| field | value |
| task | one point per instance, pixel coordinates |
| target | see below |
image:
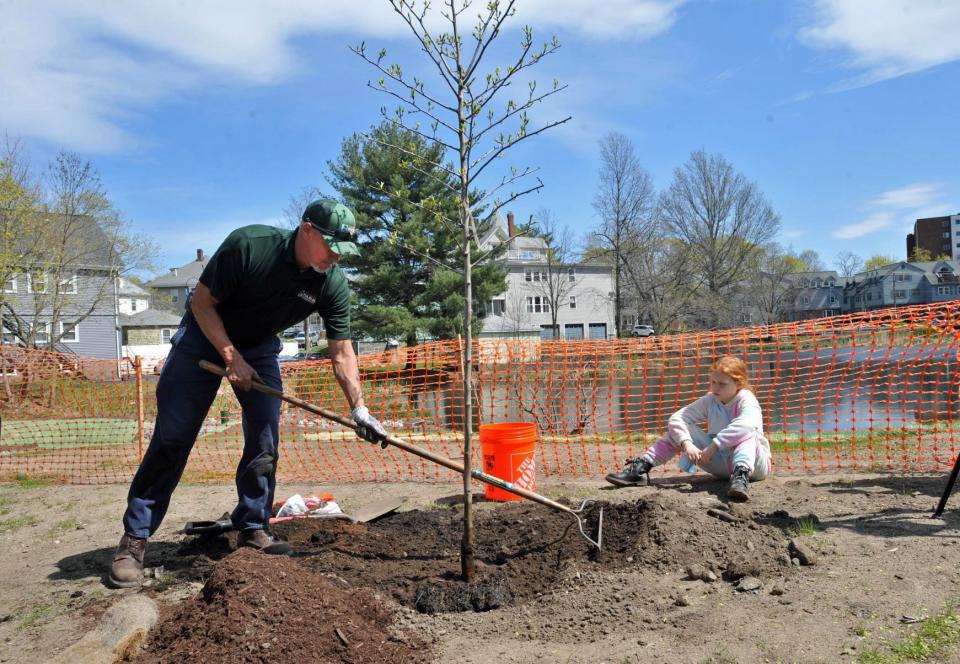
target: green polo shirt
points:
(261, 291)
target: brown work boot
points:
(264, 541)
(127, 568)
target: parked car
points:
(643, 330)
(314, 337)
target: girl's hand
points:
(692, 451)
(707, 454)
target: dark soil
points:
(259, 608)
(342, 576)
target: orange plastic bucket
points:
(508, 453)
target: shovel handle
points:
(399, 443)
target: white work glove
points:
(368, 427)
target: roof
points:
(127, 288)
(150, 318)
(183, 276)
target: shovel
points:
(429, 456)
(365, 514)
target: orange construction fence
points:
(869, 391)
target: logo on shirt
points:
(304, 295)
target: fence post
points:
(138, 365)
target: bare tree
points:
(293, 212)
(723, 218)
(812, 261)
(469, 115)
(770, 288)
(625, 201)
(657, 275)
(555, 281)
(848, 263)
(82, 247)
(20, 198)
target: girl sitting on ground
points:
(734, 445)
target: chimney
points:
(511, 228)
(199, 255)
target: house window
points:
(805, 300)
(68, 334)
(831, 283)
(175, 298)
(37, 282)
(8, 336)
(42, 333)
(900, 294)
(497, 307)
(819, 283)
(833, 299)
(746, 317)
(570, 276)
(165, 334)
(869, 296)
(944, 290)
(829, 312)
(946, 234)
(534, 275)
(133, 305)
(526, 256)
(68, 286)
(537, 305)
(573, 301)
(10, 285)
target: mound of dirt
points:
(324, 603)
(259, 608)
(523, 549)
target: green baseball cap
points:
(336, 223)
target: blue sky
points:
(209, 115)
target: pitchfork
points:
(430, 456)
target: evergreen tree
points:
(408, 272)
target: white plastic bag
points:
(293, 506)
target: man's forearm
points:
(346, 371)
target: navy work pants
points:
(184, 395)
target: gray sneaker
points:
(739, 484)
(127, 568)
(263, 541)
(635, 473)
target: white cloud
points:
(792, 234)
(886, 38)
(873, 223)
(913, 201)
(73, 71)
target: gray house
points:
(179, 281)
(818, 294)
(69, 303)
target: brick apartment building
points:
(938, 235)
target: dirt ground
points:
(387, 591)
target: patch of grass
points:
(27, 482)
(804, 526)
(12, 525)
(935, 637)
(40, 614)
(4, 505)
(65, 525)
(860, 630)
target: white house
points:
(131, 298)
(585, 308)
